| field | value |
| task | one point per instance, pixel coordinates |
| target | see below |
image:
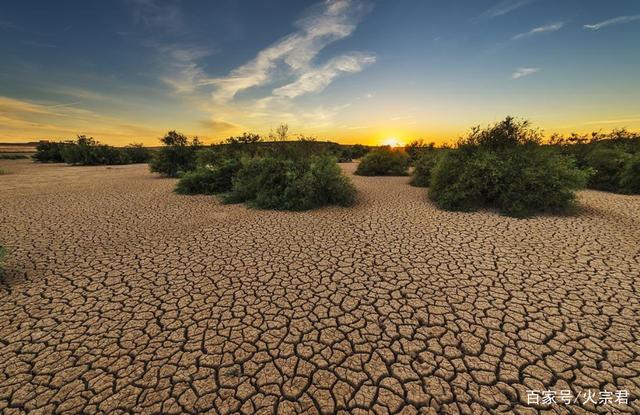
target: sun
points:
(392, 142)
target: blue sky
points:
(346, 70)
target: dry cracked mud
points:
(120, 296)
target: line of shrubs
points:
(506, 166)
(280, 175)
(613, 158)
(86, 151)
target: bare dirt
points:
(120, 296)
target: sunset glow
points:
(392, 142)
(340, 70)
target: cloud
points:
(317, 79)
(7, 25)
(158, 14)
(611, 22)
(504, 7)
(28, 120)
(553, 27)
(522, 72)
(616, 121)
(326, 23)
(185, 72)
(217, 125)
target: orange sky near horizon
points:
(25, 121)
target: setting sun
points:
(392, 142)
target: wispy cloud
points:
(611, 22)
(217, 126)
(316, 79)
(553, 27)
(615, 121)
(7, 25)
(326, 23)
(22, 119)
(504, 7)
(522, 72)
(185, 74)
(155, 14)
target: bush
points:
(86, 151)
(177, 156)
(421, 176)
(137, 153)
(608, 165)
(49, 152)
(416, 149)
(3, 171)
(209, 179)
(3, 252)
(504, 167)
(291, 183)
(384, 162)
(630, 177)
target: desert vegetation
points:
(505, 167)
(177, 155)
(281, 175)
(611, 158)
(288, 183)
(86, 151)
(423, 166)
(384, 161)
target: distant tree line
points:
(86, 151)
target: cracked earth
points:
(120, 296)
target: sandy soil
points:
(122, 297)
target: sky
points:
(349, 71)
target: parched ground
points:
(122, 297)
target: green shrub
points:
(608, 165)
(423, 166)
(177, 156)
(49, 152)
(86, 151)
(353, 152)
(3, 171)
(13, 156)
(3, 252)
(416, 149)
(137, 153)
(538, 180)
(630, 177)
(209, 179)
(504, 167)
(284, 183)
(465, 180)
(384, 162)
